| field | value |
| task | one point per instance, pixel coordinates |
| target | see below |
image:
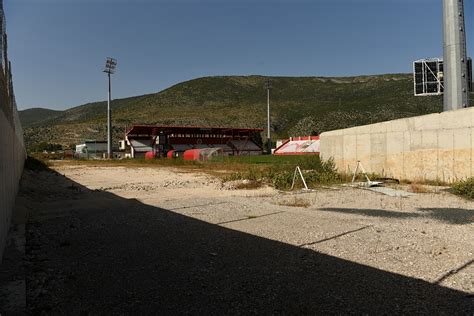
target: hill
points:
(299, 105)
(36, 116)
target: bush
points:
(464, 188)
(282, 180)
(280, 175)
(44, 146)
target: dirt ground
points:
(120, 240)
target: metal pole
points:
(455, 56)
(269, 142)
(109, 123)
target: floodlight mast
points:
(455, 56)
(268, 86)
(109, 69)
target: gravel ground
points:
(115, 240)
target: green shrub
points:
(44, 146)
(282, 180)
(464, 188)
(233, 177)
(279, 172)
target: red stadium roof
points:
(154, 130)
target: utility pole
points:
(455, 56)
(268, 86)
(110, 65)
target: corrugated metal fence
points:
(12, 150)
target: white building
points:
(91, 148)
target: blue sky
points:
(58, 47)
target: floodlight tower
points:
(268, 86)
(455, 56)
(109, 69)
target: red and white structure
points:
(305, 145)
(173, 141)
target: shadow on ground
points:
(457, 216)
(92, 252)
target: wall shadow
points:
(93, 252)
(370, 212)
(457, 216)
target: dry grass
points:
(416, 187)
(432, 183)
(275, 170)
(295, 202)
(248, 185)
(220, 169)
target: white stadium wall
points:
(437, 146)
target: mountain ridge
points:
(299, 105)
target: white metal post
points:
(455, 56)
(268, 121)
(109, 123)
(109, 68)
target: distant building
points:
(91, 148)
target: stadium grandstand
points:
(161, 140)
(305, 145)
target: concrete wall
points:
(12, 150)
(437, 146)
(12, 157)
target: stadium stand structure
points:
(161, 140)
(306, 145)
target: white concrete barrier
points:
(437, 146)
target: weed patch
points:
(295, 202)
(464, 188)
(279, 171)
(418, 188)
(248, 185)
